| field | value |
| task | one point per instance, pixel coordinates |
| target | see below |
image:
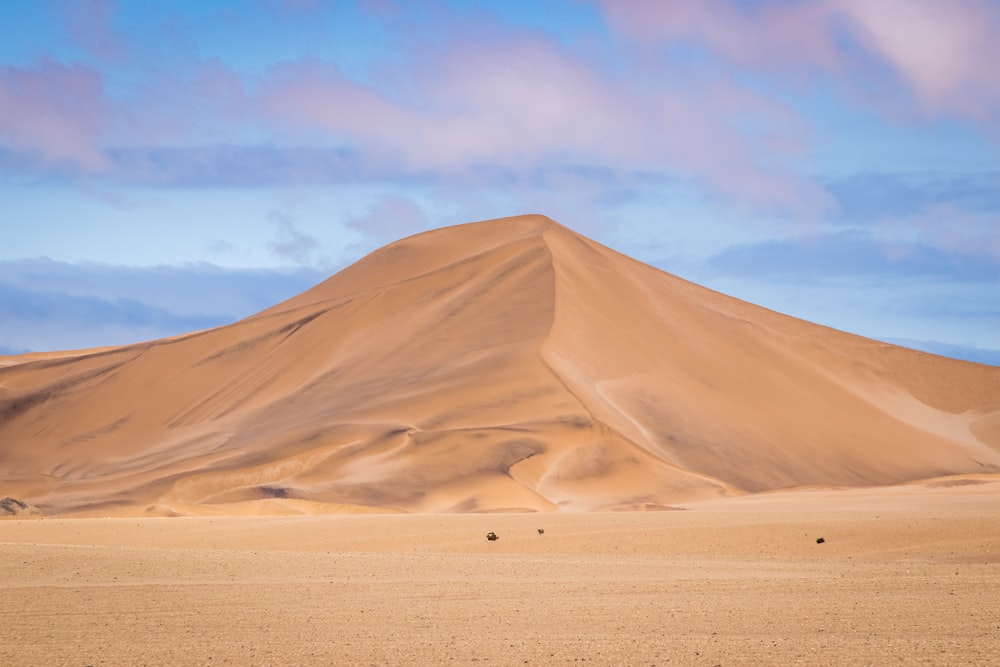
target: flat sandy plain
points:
(906, 575)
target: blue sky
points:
(166, 166)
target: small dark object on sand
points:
(14, 507)
(820, 540)
(541, 531)
(492, 537)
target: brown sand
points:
(514, 367)
(506, 365)
(906, 576)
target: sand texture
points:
(510, 365)
(906, 576)
(314, 485)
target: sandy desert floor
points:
(907, 575)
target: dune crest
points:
(505, 365)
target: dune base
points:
(905, 575)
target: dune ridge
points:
(507, 365)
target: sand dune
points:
(508, 365)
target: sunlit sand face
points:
(510, 365)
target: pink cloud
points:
(310, 96)
(89, 23)
(392, 216)
(62, 115)
(469, 103)
(947, 52)
(382, 7)
(494, 95)
(516, 99)
(756, 35)
(944, 53)
(519, 99)
(205, 103)
(486, 95)
(291, 243)
(952, 229)
(55, 113)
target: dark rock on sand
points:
(14, 507)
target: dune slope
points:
(503, 365)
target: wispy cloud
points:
(241, 166)
(685, 97)
(688, 126)
(88, 22)
(508, 97)
(290, 242)
(521, 100)
(877, 195)
(54, 114)
(390, 218)
(938, 54)
(761, 35)
(851, 255)
(943, 51)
